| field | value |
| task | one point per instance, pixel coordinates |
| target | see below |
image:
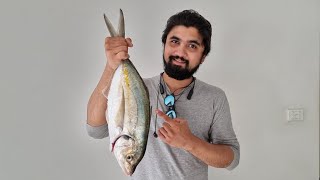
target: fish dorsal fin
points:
(121, 28)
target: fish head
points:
(127, 154)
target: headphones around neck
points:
(161, 88)
(189, 94)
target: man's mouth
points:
(178, 61)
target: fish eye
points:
(129, 157)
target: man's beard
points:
(179, 72)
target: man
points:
(191, 128)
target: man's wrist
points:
(190, 143)
(109, 67)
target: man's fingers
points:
(168, 129)
(165, 117)
(122, 55)
(129, 42)
(119, 49)
(180, 120)
(162, 137)
(111, 42)
(114, 47)
(162, 133)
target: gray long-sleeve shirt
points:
(209, 119)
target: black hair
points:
(190, 18)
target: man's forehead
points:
(185, 33)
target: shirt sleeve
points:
(98, 132)
(221, 130)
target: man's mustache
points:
(171, 58)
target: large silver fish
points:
(128, 111)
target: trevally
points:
(128, 111)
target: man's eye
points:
(192, 46)
(174, 41)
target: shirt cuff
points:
(98, 132)
(236, 158)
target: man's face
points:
(183, 52)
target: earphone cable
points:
(155, 124)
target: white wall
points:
(265, 55)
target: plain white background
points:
(265, 55)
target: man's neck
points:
(174, 84)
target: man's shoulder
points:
(211, 93)
(208, 88)
(151, 80)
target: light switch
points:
(295, 114)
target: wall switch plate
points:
(295, 114)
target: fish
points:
(128, 111)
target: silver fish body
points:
(128, 116)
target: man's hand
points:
(175, 132)
(116, 49)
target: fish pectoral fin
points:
(124, 136)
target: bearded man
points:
(191, 128)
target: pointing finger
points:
(165, 117)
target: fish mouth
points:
(129, 172)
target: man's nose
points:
(181, 51)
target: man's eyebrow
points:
(195, 42)
(174, 37)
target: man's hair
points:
(190, 18)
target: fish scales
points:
(141, 97)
